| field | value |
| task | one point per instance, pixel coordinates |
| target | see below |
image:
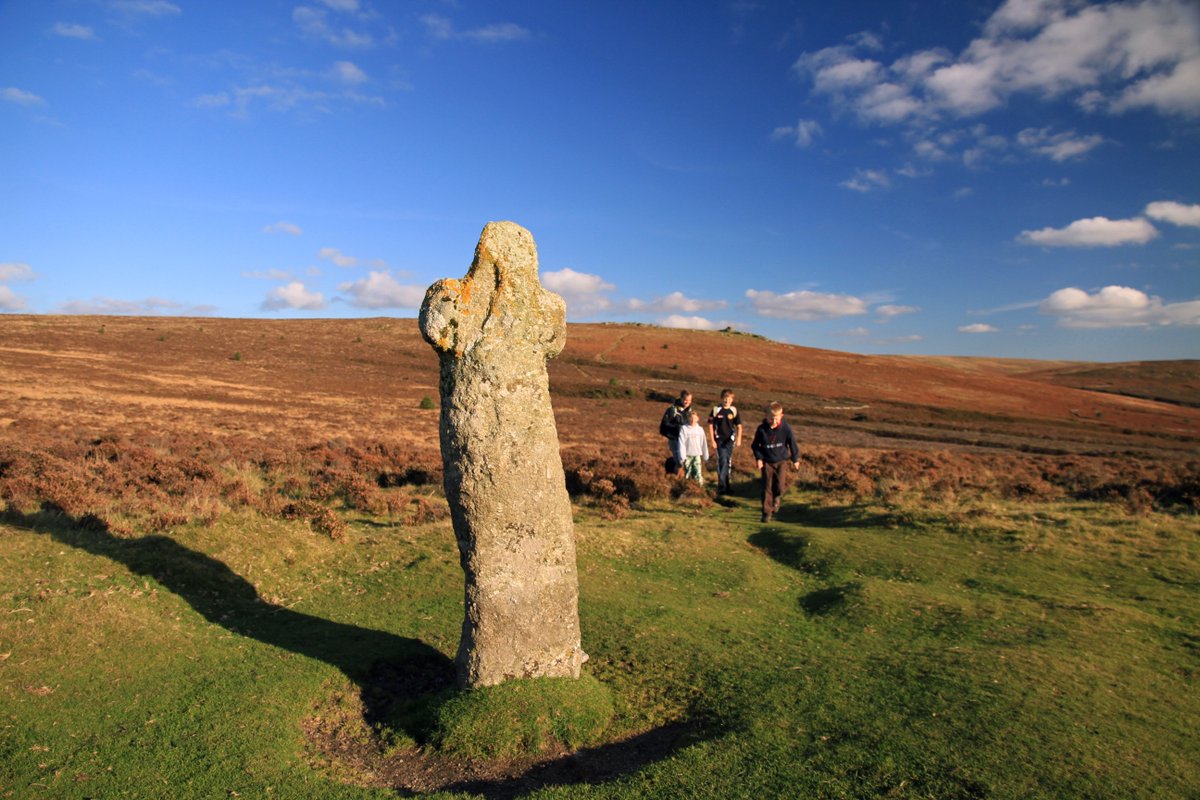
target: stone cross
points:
(493, 331)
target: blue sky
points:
(938, 177)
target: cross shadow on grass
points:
(391, 671)
(227, 599)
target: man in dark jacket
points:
(773, 446)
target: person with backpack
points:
(673, 420)
(773, 444)
(725, 431)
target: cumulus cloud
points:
(71, 31)
(21, 97)
(1105, 57)
(1093, 232)
(584, 293)
(293, 295)
(1175, 213)
(381, 290)
(690, 322)
(978, 327)
(675, 302)
(805, 305)
(337, 257)
(1060, 146)
(801, 134)
(16, 272)
(10, 300)
(1117, 307)
(284, 226)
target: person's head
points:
(727, 397)
(694, 417)
(685, 398)
(775, 413)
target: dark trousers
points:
(724, 460)
(774, 485)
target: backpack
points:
(670, 423)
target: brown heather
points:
(151, 425)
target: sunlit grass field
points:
(977, 649)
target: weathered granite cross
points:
(493, 331)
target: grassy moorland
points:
(234, 576)
(995, 649)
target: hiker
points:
(673, 421)
(694, 446)
(773, 443)
(725, 432)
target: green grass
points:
(996, 650)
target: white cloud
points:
(1093, 232)
(805, 305)
(690, 322)
(16, 272)
(150, 307)
(10, 300)
(283, 226)
(1058, 146)
(866, 180)
(437, 26)
(315, 23)
(675, 302)
(802, 133)
(71, 31)
(888, 102)
(270, 275)
(1175, 213)
(337, 257)
(149, 8)
(215, 100)
(349, 73)
(440, 27)
(1105, 57)
(888, 312)
(293, 295)
(978, 327)
(285, 97)
(381, 290)
(20, 97)
(1177, 91)
(584, 293)
(342, 5)
(1117, 307)
(499, 32)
